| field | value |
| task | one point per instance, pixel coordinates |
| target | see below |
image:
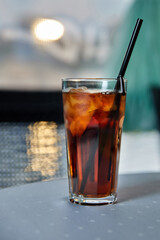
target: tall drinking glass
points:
(93, 112)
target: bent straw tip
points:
(140, 19)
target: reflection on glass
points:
(43, 148)
(47, 29)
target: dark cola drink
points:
(93, 122)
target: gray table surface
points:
(42, 211)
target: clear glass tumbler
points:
(93, 113)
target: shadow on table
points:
(138, 186)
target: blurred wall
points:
(143, 71)
(29, 63)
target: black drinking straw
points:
(119, 85)
(120, 80)
(127, 56)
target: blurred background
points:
(37, 52)
(43, 41)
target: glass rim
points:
(89, 79)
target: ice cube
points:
(79, 106)
(108, 102)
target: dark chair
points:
(32, 143)
(156, 99)
(31, 106)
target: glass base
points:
(80, 199)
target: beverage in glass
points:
(93, 113)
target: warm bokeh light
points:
(47, 29)
(43, 148)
